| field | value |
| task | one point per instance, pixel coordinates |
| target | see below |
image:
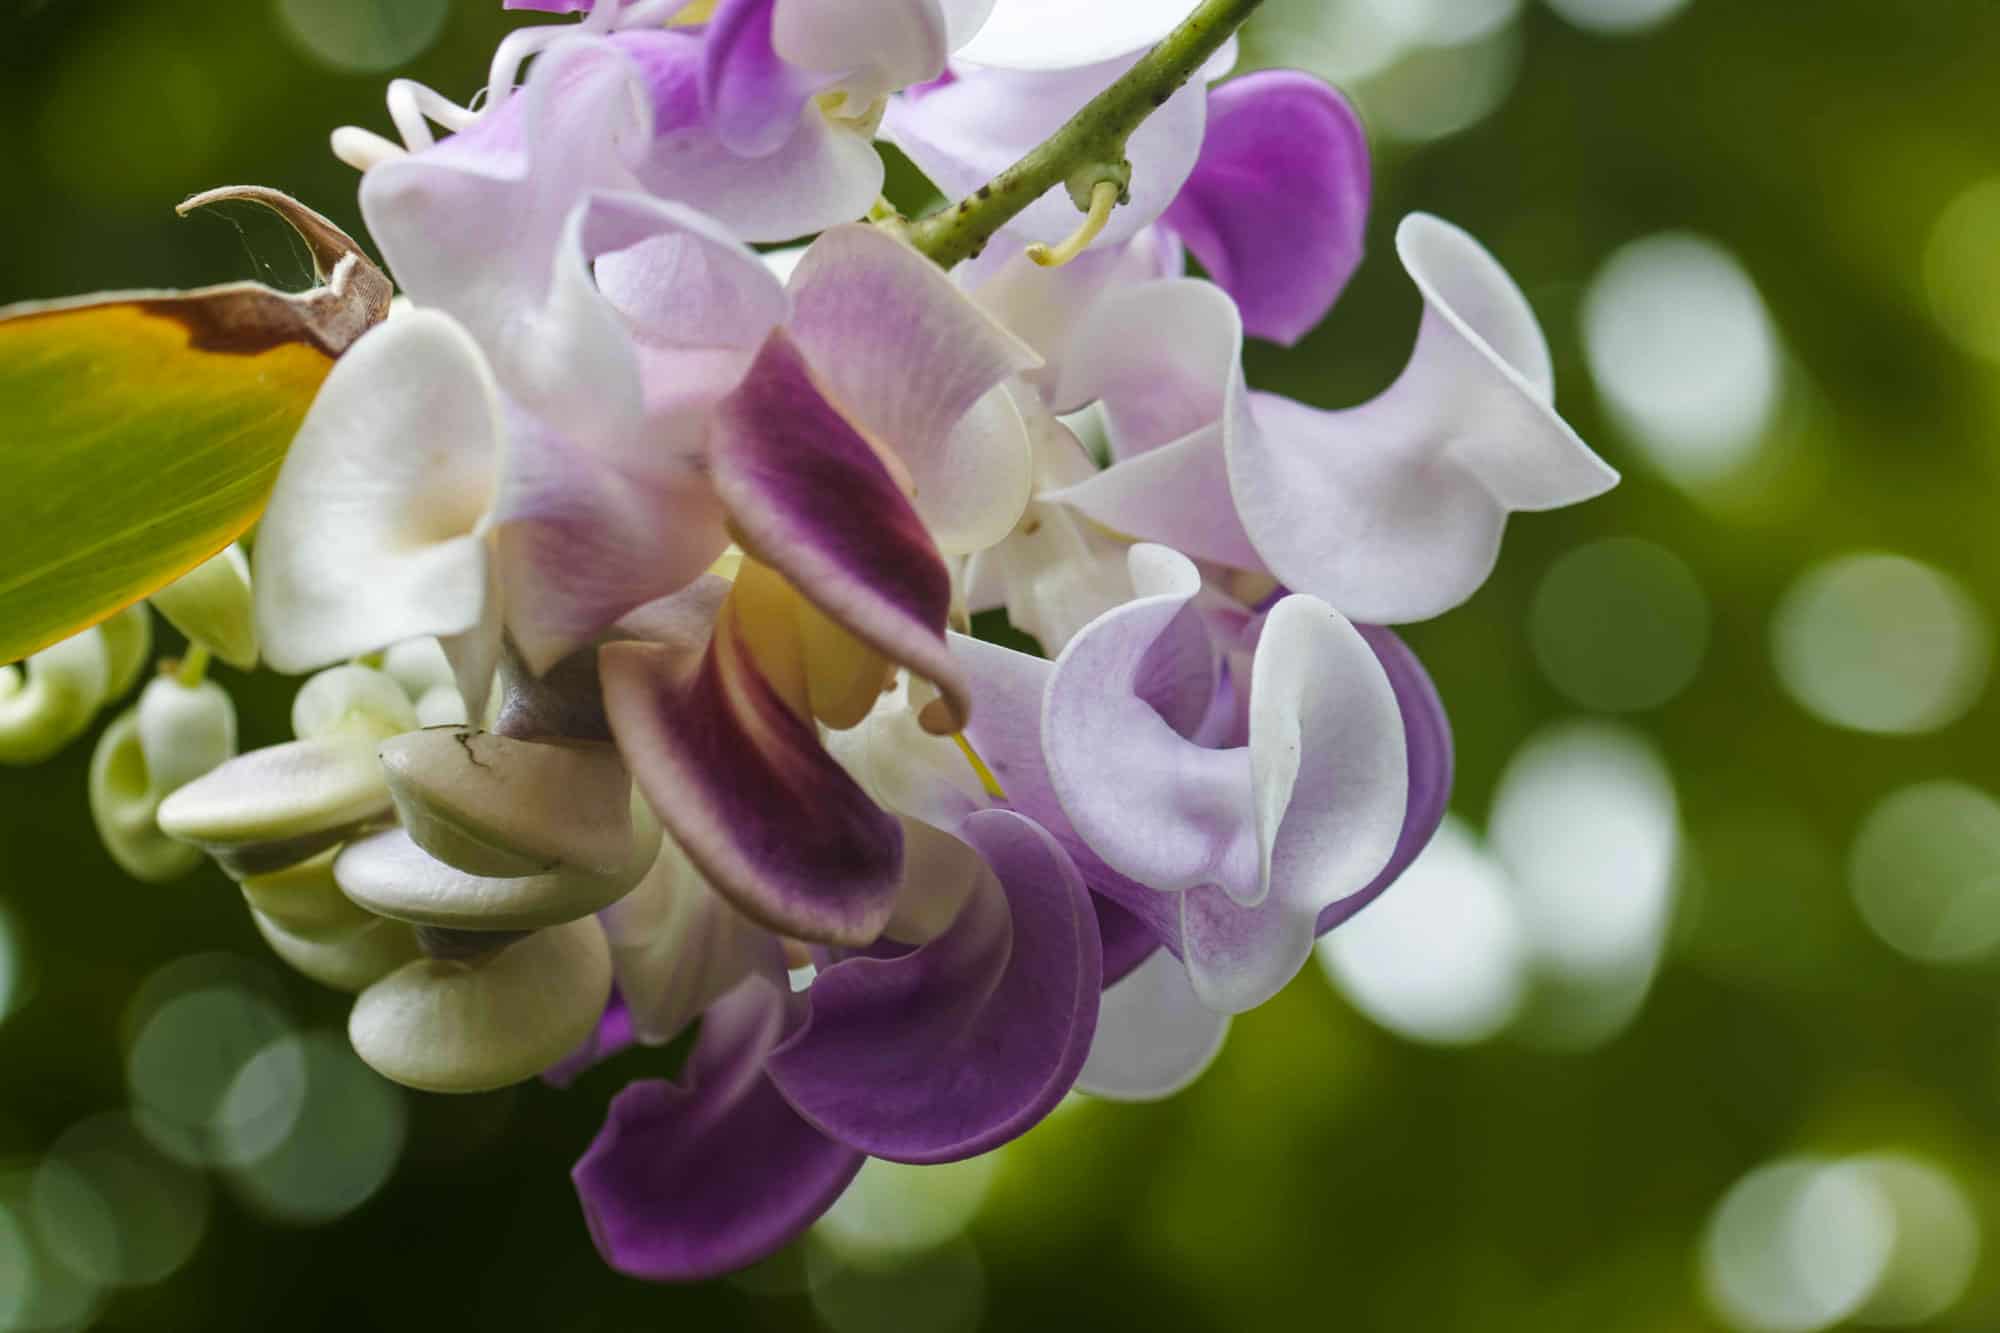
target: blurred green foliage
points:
(1324, 1173)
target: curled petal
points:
(374, 532)
(966, 1042)
(1154, 1035)
(1159, 808)
(1427, 738)
(741, 782)
(1278, 201)
(1392, 511)
(811, 497)
(712, 1173)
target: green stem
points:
(193, 667)
(1090, 147)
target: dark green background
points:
(1324, 1173)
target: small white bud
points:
(351, 700)
(211, 604)
(304, 897)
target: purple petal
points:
(585, 539)
(612, 1035)
(966, 1042)
(907, 355)
(744, 786)
(812, 498)
(472, 225)
(1427, 734)
(1278, 202)
(965, 133)
(820, 175)
(751, 96)
(1127, 940)
(698, 1178)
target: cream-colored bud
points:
(352, 700)
(211, 604)
(49, 700)
(493, 805)
(390, 875)
(482, 1023)
(128, 646)
(345, 958)
(419, 666)
(280, 805)
(304, 897)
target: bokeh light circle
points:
(1881, 643)
(363, 36)
(1619, 625)
(1684, 353)
(1796, 1245)
(1962, 270)
(1440, 957)
(893, 1208)
(1586, 823)
(179, 1068)
(344, 1142)
(1937, 1241)
(1925, 871)
(1437, 91)
(113, 1208)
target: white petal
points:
(1154, 1035)
(372, 532)
(1056, 34)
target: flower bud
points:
(278, 806)
(173, 735)
(352, 700)
(491, 805)
(211, 604)
(390, 875)
(128, 644)
(442, 706)
(419, 666)
(48, 701)
(349, 958)
(304, 897)
(483, 1023)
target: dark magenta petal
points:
(1278, 201)
(965, 1043)
(752, 97)
(697, 1178)
(1427, 734)
(612, 1035)
(810, 497)
(1127, 940)
(746, 789)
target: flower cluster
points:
(702, 531)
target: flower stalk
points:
(1089, 149)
